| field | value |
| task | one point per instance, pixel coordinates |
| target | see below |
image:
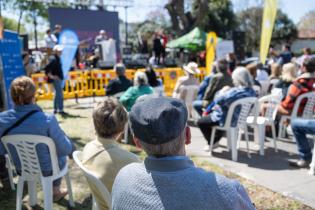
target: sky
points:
(295, 9)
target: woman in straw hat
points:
(189, 79)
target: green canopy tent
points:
(195, 40)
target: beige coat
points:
(104, 157)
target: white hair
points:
(140, 79)
(242, 77)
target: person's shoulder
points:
(132, 169)
(125, 155)
(7, 113)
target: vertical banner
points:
(210, 50)
(70, 42)
(269, 17)
(11, 63)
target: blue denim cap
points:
(158, 120)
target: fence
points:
(93, 82)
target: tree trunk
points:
(19, 22)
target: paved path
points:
(271, 171)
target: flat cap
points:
(158, 120)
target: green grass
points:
(79, 127)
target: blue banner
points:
(12, 65)
(69, 40)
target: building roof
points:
(306, 34)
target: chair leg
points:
(261, 129)
(19, 193)
(247, 142)
(234, 137)
(32, 192)
(68, 182)
(273, 129)
(48, 193)
(312, 165)
(228, 136)
(9, 167)
(280, 129)
(212, 139)
(94, 204)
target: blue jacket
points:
(39, 123)
(203, 87)
(219, 108)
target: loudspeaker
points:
(239, 44)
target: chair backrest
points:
(25, 145)
(264, 87)
(158, 91)
(93, 180)
(308, 110)
(188, 93)
(245, 105)
(273, 102)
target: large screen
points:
(86, 23)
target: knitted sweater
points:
(175, 184)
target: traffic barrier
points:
(93, 82)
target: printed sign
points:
(11, 62)
(223, 48)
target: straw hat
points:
(191, 68)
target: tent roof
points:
(194, 40)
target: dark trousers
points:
(205, 124)
(3, 170)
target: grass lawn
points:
(78, 126)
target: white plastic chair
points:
(31, 173)
(234, 133)
(260, 122)
(312, 165)
(10, 168)
(158, 91)
(93, 180)
(308, 111)
(188, 94)
(264, 87)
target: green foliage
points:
(12, 24)
(250, 21)
(219, 18)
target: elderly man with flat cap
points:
(168, 179)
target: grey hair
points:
(170, 148)
(242, 77)
(140, 79)
(120, 69)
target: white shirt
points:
(50, 40)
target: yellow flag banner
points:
(269, 17)
(210, 50)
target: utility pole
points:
(126, 24)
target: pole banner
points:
(70, 42)
(269, 17)
(210, 50)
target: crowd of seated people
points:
(167, 170)
(216, 111)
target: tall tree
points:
(250, 21)
(209, 15)
(307, 21)
(11, 24)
